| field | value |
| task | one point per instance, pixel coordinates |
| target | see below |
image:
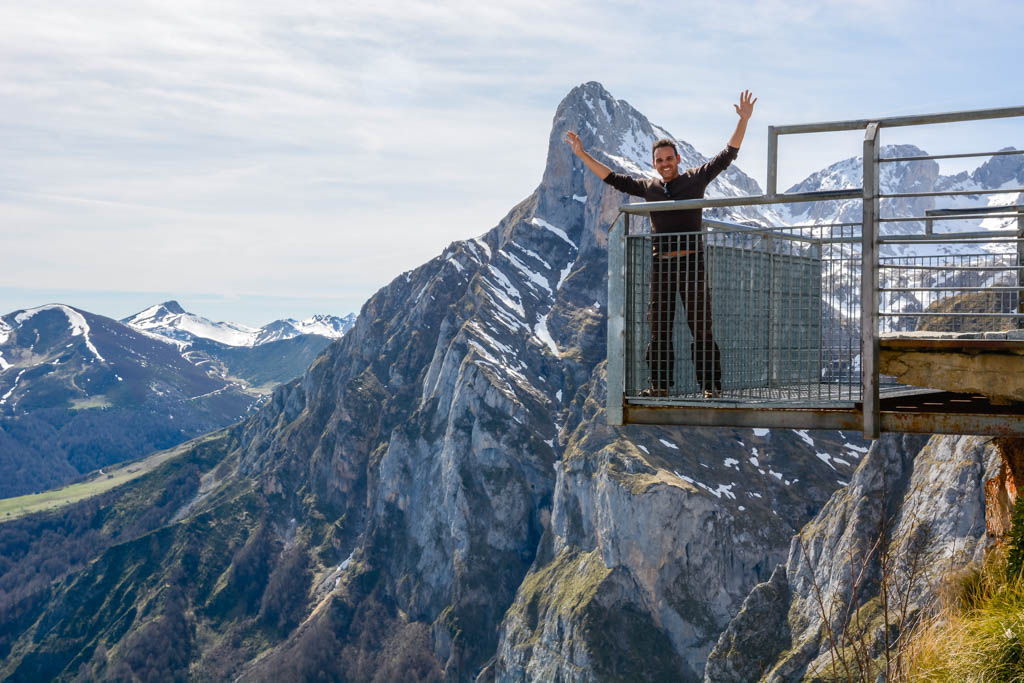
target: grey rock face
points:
(461, 422)
(1001, 170)
(897, 177)
(449, 461)
(667, 524)
(868, 565)
(756, 635)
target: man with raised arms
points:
(678, 252)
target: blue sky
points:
(260, 160)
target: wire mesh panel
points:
(841, 314)
(742, 314)
(742, 279)
(795, 335)
(963, 293)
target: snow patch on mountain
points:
(531, 275)
(541, 223)
(170, 320)
(78, 326)
(3, 399)
(506, 292)
(540, 330)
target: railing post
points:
(773, 162)
(869, 286)
(772, 350)
(616, 372)
(1020, 266)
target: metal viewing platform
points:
(759, 325)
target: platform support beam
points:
(869, 286)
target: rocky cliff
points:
(439, 495)
(860, 574)
(654, 535)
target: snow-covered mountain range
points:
(999, 172)
(994, 173)
(170, 320)
(79, 390)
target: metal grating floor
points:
(797, 396)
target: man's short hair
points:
(664, 142)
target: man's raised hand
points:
(595, 166)
(574, 141)
(746, 106)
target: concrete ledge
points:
(1012, 335)
(989, 367)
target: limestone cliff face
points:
(861, 572)
(439, 495)
(458, 428)
(650, 548)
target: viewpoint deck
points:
(930, 350)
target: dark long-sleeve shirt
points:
(690, 184)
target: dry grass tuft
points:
(978, 633)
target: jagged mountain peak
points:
(619, 135)
(1001, 171)
(894, 177)
(847, 174)
(614, 130)
(904, 177)
(161, 310)
(173, 307)
(321, 324)
(170, 320)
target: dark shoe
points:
(651, 392)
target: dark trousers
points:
(678, 267)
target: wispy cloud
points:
(264, 148)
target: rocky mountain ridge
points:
(439, 496)
(170, 320)
(79, 391)
(906, 177)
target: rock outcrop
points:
(867, 566)
(649, 549)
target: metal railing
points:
(790, 315)
(740, 313)
(968, 282)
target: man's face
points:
(666, 163)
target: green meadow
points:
(96, 483)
